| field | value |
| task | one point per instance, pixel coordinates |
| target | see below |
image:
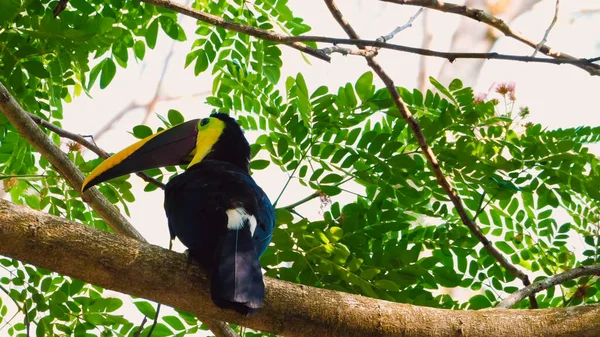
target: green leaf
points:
(283, 216)
(175, 117)
(146, 308)
(36, 68)
(139, 49)
(364, 86)
(174, 322)
(160, 330)
(504, 247)
(201, 63)
(152, 34)
(109, 69)
(331, 178)
(142, 131)
(368, 274)
(387, 285)
(455, 85)
(479, 302)
(9, 9)
(335, 233)
(259, 164)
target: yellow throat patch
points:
(208, 135)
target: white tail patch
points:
(236, 217)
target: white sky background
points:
(558, 96)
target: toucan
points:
(215, 208)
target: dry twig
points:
(398, 29)
(547, 33)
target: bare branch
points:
(482, 16)
(398, 29)
(236, 27)
(547, 33)
(549, 282)
(140, 269)
(431, 158)
(450, 56)
(348, 51)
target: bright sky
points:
(558, 96)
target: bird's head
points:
(217, 137)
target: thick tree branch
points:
(550, 282)
(133, 267)
(431, 158)
(237, 27)
(482, 16)
(38, 139)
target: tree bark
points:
(129, 266)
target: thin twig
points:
(398, 29)
(431, 158)
(490, 20)
(549, 282)
(450, 56)
(547, 33)
(26, 318)
(237, 27)
(139, 330)
(89, 145)
(155, 320)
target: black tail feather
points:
(237, 281)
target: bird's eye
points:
(204, 121)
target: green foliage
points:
(397, 238)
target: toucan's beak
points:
(169, 147)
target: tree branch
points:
(133, 267)
(547, 33)
(482, 16)
(450, 56)
(549, 282)
(236, 27)
(431, 158)
(398, 29)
